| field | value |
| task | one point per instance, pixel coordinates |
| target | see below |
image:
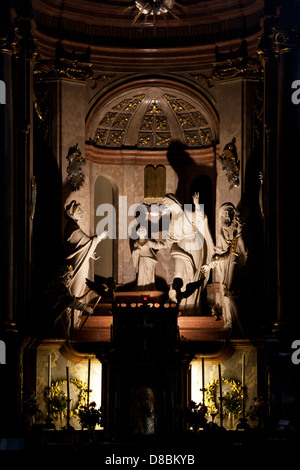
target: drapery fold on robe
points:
(192, 245)
(79, 247)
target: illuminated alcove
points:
(232, 379)
(80, 374)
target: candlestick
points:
(68, 398)
(49, 423)
(221, 397)
(49, 371)
(68, 388)
(243, 425)
(89, 379)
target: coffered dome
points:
(151, 118)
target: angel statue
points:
(191, 246)
(79, 248)
(61, 302)
(229, 261)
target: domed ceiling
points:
(181, 34)
(151, 118)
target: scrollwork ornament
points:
(230, 164)
(74, 170)
(286, 38)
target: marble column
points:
(269, 170)
(7, 187)
(287, 44)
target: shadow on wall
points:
(192, 178)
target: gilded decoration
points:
(238, 68)
(230, 164)
(232, 399)
(153, 120)
(58, 398)
(74, 170)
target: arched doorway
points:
(105, 218)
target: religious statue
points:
(144, 258)
(191, 246)
(144, 411)
(229, 260)
(79, 248)
(61, 301)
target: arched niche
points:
(149, 114)
(105, 219)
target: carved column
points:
(287, 46)
(240, 97)
(280, 45)
(60, 105)
(239, 94)
(7, 187)
(270, 117)
(16, 53)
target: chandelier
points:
(153, 9)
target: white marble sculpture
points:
(61, 302)
(144, 258)
(79, 248)
(229, 259)
(191, 246)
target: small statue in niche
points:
(74, 170)
(230, 164)
(79, 248)
(230, 261)
(144, 258)
(144, 417)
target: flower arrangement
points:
(30, 405)
(196, 415)
(233, 400)
(89, 416)
(257, 411)
(58, 400)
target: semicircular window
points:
(153, 117)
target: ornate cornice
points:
(63, 68)
(238, 68)
(133, 156)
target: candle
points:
(243, 370)
(89, 379)
(68, 389)
(220, 380)
(49, 370)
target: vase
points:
(231, 421)
(91, 433)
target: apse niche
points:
(151, 118)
